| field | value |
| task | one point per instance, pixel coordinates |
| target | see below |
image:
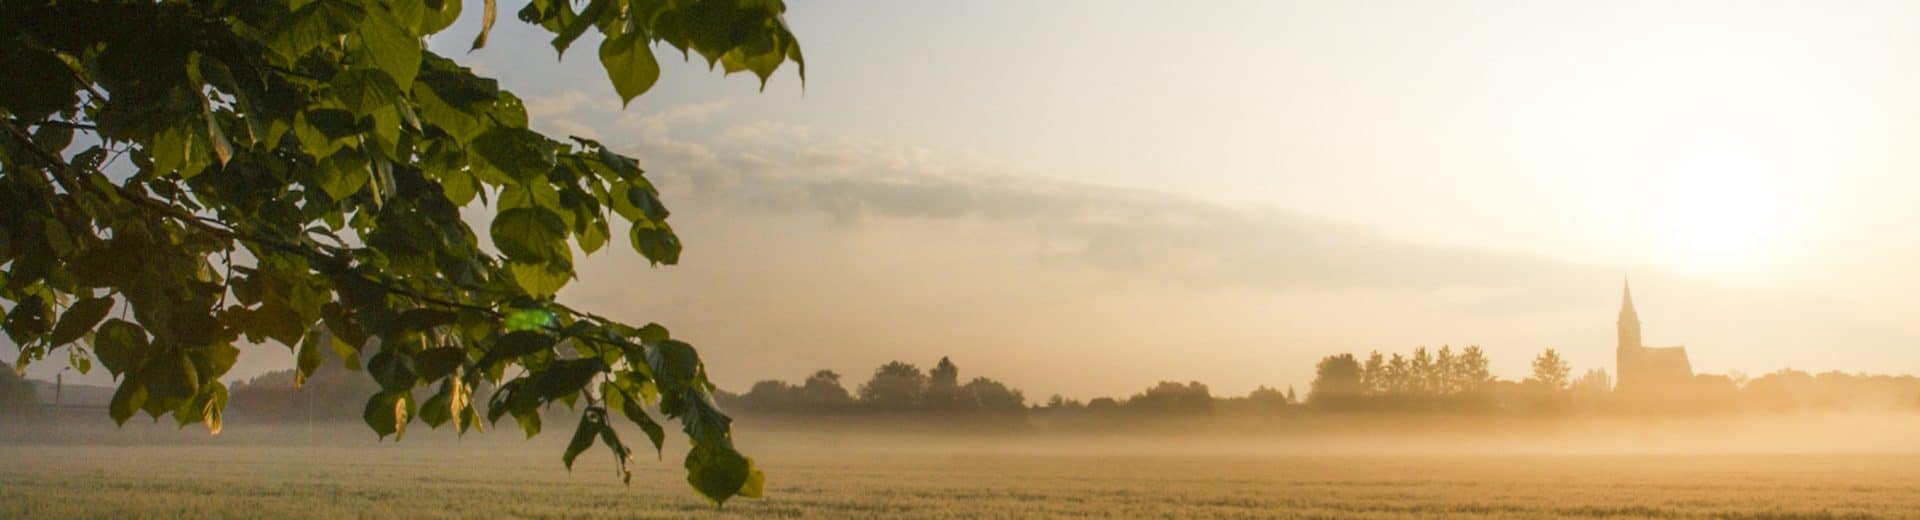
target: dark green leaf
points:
(717, 471)
(388, 413)
(120, 345)
(590, 424)
(79, 318)
(656, 241)
(518, 153)
(631, 407)
(436, 363)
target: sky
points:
(1085, 198)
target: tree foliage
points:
(293, 171)
(1550, 371)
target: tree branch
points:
(62, 173)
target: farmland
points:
(290, 472)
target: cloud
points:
(769, 166)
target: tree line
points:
(1422, 379)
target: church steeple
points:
(1629, 320)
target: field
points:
(155, 472)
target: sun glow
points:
(1721, 215)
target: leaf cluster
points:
(293, 172)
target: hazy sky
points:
(1087, 197)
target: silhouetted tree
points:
(1267, 398)
(1373, 375)
(1473, 373)
(1059, 402)
(1420, 373)
(1103, 404)
(770, 395)
(1336, 381)
(1397, 377)
(988, 394)
(823, 390)
(1169, 396)
(1446, 370)
(895, 386)
(943, 388)
(1595, 381)
(1290, 398)
(1550, 372)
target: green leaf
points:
(393, 371)
(422, 319)
(653, 333)
(578, 26)
(388, 413)
(529, 235)
(526, 319)
(518, 153)
(365, 90)
(717, 471)
(539, 280)
(630, 64)
(37, 85)
(342, 175)
(120, 345)
(439, 409)
(309, 357)
(314, 25)
(390, 47)
(439, 362)
(583, 435)
(130, 397)
(567, 376)
(631, 407)
(656, 241)
(79, 318)
(516, 344)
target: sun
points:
(1721, 215)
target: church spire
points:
(1629, 324)
(1626, 299)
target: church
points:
(1640, 368)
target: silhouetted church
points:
(1642, 368)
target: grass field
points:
(279, 473)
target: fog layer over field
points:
(1378, 466)
(1302, 434)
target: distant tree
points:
(1103, 404)
(988, 394)
(1550, 371)
(1446, 370)
(17, 396)
(943, 388)
(1059, 402)
(1373, 375)
(1595, 381)
(1472, 373)
(895, 386)
(1336, 381)
(1290, 397)
(1420, 372)
(1398, 377)
(1267, 398)
(823, 391)
(770, 395)
(1168, 396)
